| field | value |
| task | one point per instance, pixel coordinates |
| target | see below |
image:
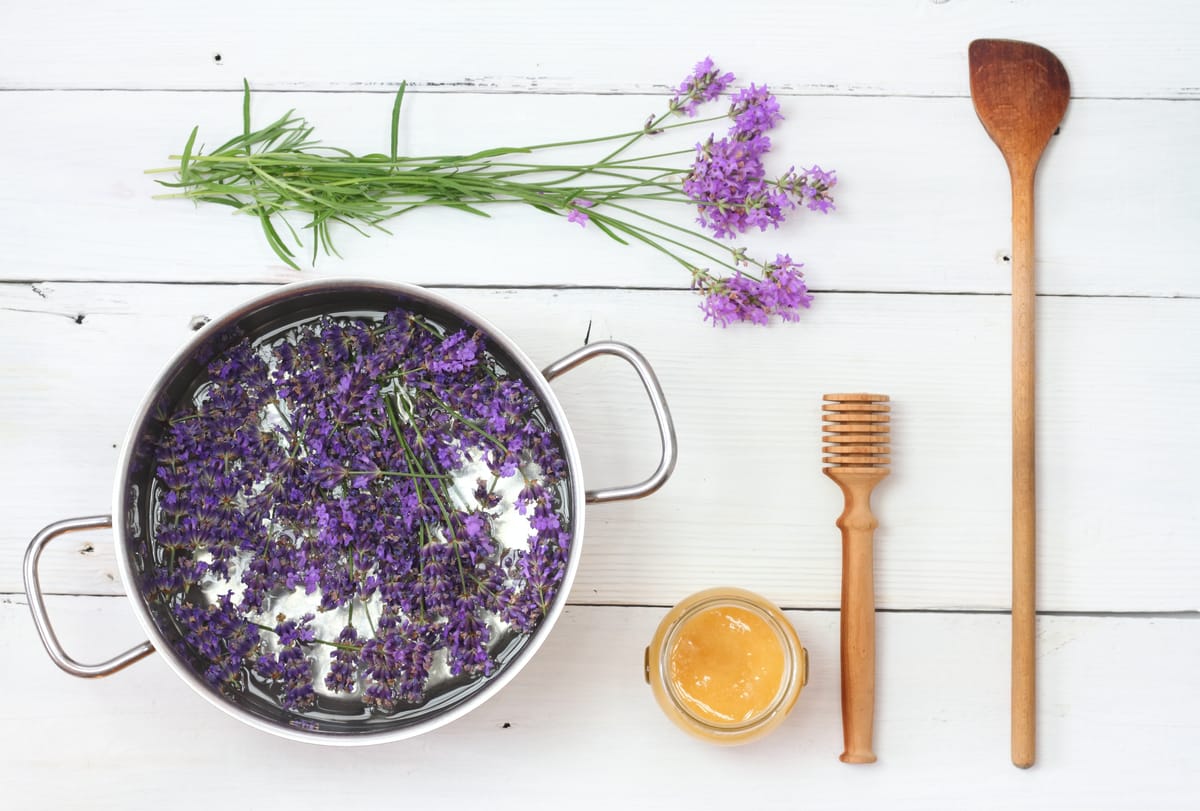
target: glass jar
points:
(726, 665)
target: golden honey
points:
(726, 665)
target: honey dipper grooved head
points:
(856, 431)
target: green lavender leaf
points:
(396, 119)
(280, 170)
(246, 112)
(187, 155)
(608, 231)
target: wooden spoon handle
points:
(858, 621)
(1024, 616)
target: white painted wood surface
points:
(581, 729)
(922, 208)
(100, 286)
(748, 503)
(859, 47)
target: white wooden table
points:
(100, 285)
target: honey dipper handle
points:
(1024, 617)
(858, 612)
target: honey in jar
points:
(726, 665)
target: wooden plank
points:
(748, 504)
(1114, 733)
(869, 47)
(928, 213)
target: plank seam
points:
(18, 598)
(465, 88)
(599, 287)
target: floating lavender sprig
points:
(326, 469)
(280, 169)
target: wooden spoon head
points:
(1020, 92)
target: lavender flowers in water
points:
(329, 512)
(280, 170)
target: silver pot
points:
(260, 316)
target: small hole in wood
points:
(217, 58)
(505, 725)
(79, 318)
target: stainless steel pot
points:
(260, 316)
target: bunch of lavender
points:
(351, 475)
(279, 169)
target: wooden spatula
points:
(1020, 92)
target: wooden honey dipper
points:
(856, 455)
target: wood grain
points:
(1020, 91)
(857, 473)
(927, 214)
(747, 503)
(1110, 697)
(873, 88)
(865, 47)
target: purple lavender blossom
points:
(220, 635)
(543, 565)
(728, 182)
(298, 693)
(343, 668)
(577, 213)
(780, 292)
(811, 186)
(395, 662)
(706, 83)
(319, 464)
(754, 111)
(729, 185)
(291, 632)
(466, 636)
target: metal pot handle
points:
(37, 603)
(666, 428)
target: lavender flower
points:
(754, 111)
(704, 84)
(298, 692)
(577, 213)
(343, 668)
(812, 186)
(323, 464)
(729, 183)
(280, 169)
(780, 292)
(728, 179)
(396, 663)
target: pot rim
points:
(532, 375)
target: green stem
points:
(634, 134)
(672, 154)
(655, 125)
(398, 474)
(625, 228)
(371, 622)
(393, 415)
(474, 426)
(689, 232)
(636, 232)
